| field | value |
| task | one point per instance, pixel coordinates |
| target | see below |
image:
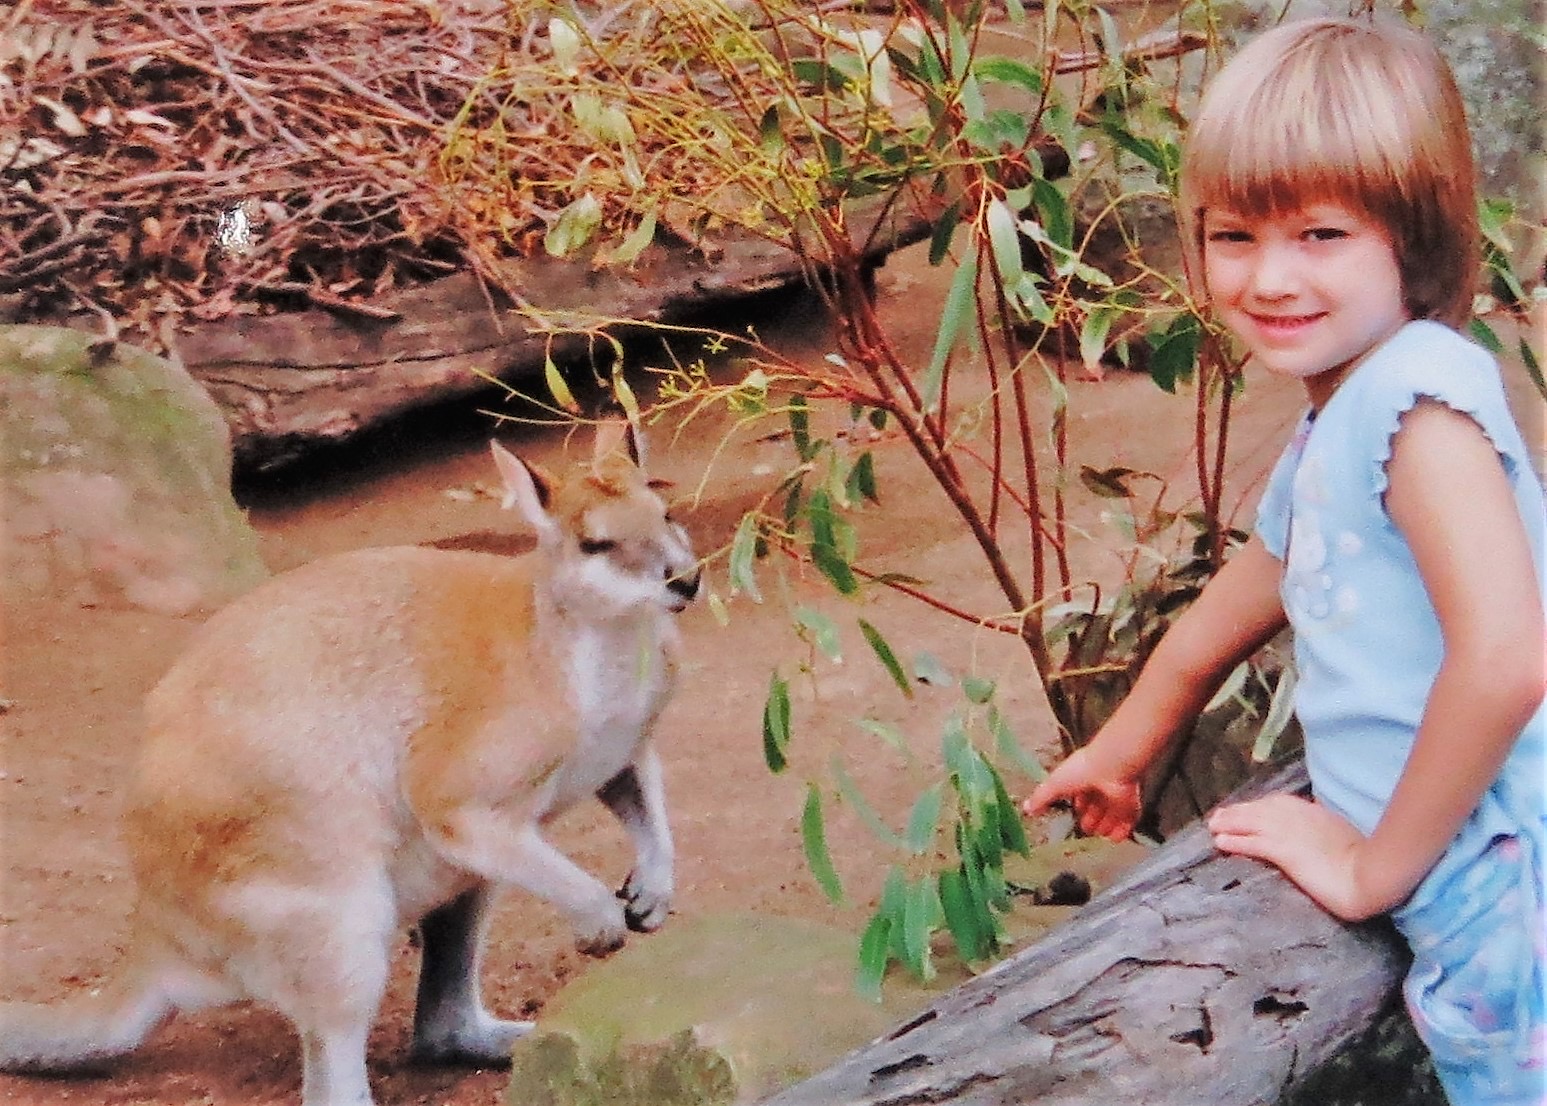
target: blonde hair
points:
(1365, 114)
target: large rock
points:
(115, 471)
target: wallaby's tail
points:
(80, 1034)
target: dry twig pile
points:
(165, 161)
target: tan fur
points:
(376, 740)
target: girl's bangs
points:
(1283, 161)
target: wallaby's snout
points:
(684, 585)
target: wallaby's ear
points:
(527, 487)
(619, 436)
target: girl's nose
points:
(1274, 273)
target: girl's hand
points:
(1106, 803)
(1317, 849)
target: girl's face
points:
(1309, 292)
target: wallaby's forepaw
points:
(606, 935)
(646, 903)
(603, 943)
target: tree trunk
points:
(1198, 978)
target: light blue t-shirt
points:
(1367, 640)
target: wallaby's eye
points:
(592, 546)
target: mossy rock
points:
(708, 1012)
(115, 471)
(724, 1010)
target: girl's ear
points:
(527, 488)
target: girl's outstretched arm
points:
(1449, 495)
(1237, 613)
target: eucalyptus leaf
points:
(957, 314)
(888, 659)
(924, 820)
(821, 631)
(963, 915)
(813, 836)
(1280, 711)
(874, 954)
(743, 577)
(776, 724)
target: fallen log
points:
(292, 382)
(1197, 978)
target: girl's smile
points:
(1309, 291)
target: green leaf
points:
(776, 724)
(963, 917)
(874, 954)
(862, 479)
(638, 238)
(821, 76)
(1485, 336)
(1093, 335)
(888, 659)
(558, 387)
(929, 671)
(1011, 71)
(894, 900)
(1053, 211)
(1533, 367)
(770, 134)
(1009, 749)
(800, 426)
(852, 795)
(1005, 241)
(887, 733)
(743, 553)
(1011, 830)
(921, 906)
(624, 394)
(1280, 710)
(977, 689)
(1230, 688)
(575, 226)
(1174, 351)
(944, 230)
(828, 532)
(924, 820)
(821, 631)
(957, 314)
(990, 841)
(813, 835)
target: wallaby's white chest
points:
(619, 676)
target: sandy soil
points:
(74, 678)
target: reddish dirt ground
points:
(74, 678)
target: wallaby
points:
(376, 740)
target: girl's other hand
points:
(1106, 802)
(1314, 847)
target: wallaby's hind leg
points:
(450, 1022)
(637, 796)
(321, 957)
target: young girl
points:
(1329, 216)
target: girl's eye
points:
(1326, 234)
(1229, 235)
(592, 546)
